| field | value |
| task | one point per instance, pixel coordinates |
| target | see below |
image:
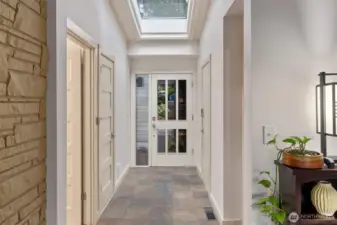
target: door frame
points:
(133, 108)
(207, 61)
(179, 159)
(88, 111)
(97, 213)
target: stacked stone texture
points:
(23, 70)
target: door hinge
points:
(192, 151)
(202, 112)
(112, 136)
(192, 117)
(192, 84)
(98, 121)
(84, 196)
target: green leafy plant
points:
(271, 206)
(161, 111)
(297, 146)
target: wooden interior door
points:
(105, 131)
(206, 125)
(74, 133)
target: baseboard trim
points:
(122, 177)
(232, 222)
(213, 202)
(216, 209)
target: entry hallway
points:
(159, 196)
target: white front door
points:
(105, 131)
(171, 118)
(74, 133)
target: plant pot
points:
(304, 161)
(324, 198)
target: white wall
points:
(164, 47)
(95, 18)
(292, 41)
(163, 63)
(149, 26)
(233, 115)
(212, 43)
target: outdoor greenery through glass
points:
(163, 8)
(161, 93)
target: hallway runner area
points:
(159, 196)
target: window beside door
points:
(142, 120)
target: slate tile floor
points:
(159, 196)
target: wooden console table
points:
(295, 189)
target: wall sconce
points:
(326, 111)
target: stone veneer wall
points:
(23, 64)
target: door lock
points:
(154, 125)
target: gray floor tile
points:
(159, 196)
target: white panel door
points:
(171, 117)
(105, 131)
(74, 134)
(206, 126)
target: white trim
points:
(56, 108)
(81, 33)
(135, 15)
(216, 209)
(122, 177)
(116, 186)
(133, 121)
(163, 72)
(149, 125)
(208, 61)
(56, 174)
(135, 55)
(190, 13)
(212, 200)
(133, 109)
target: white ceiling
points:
(136, 29)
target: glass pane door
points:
(171, 117)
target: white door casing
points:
(206, 147)
(105, 131)
(74, 133)
(171, 120)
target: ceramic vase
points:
(324, 198)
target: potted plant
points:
(297, 155)
(294, 155)
(271, 205)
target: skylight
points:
(161, 9)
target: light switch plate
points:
(268, 133)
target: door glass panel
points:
(182, 100)
(161, 105)
(161, 139)
(182, 142)
(172, 141)
(171, 100)
(142, 120)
